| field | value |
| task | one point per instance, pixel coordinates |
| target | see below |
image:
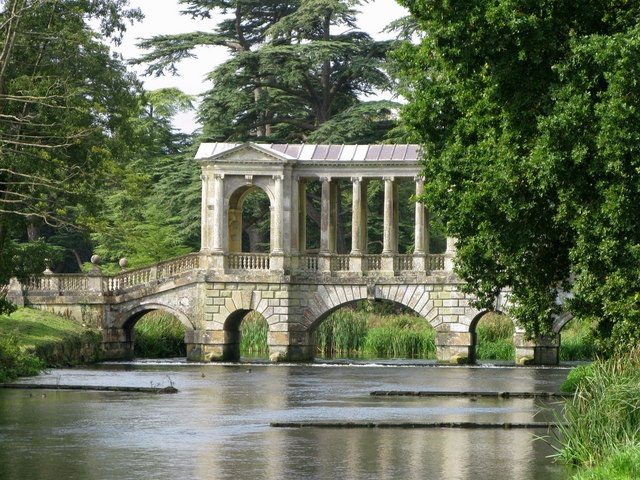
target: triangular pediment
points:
(240, 153)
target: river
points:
(217, 425)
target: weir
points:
(292, 287)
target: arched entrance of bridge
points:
(249, 220)
(165, 332)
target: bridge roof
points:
(322, 153)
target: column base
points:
(213, 345)
(117, 344)
(456, 347)
(542, 350)
(290, 347)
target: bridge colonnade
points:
(292, 287)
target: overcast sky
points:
(163, 17)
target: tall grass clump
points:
(253, 330)
(342, 332)
(159, 335)
(16, 361)
(495, 338)
(603, 418)
(361, 332)
(577, 342)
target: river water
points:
(217, 426)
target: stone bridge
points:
(292, 287)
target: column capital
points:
(325, 179)
(419, 178)
(388, 179)
(278, 176)
(356, 179)
(204, 177)
(218, 176)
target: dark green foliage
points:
(528, 113)
(15, 361)
(64, 102)
(296, 71)
(159, 335)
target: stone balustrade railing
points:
(248, 261)
(236, 262)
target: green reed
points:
(253, 331)
(495, 338)
(159, 335)
(603, 418)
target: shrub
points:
(16, 362)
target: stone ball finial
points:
(124, 263)
(95, 259)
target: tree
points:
(296, 71)
(528, 115)
(62, 99)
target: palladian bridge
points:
(293, 288)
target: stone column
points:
(324, 254)
(356, 217)
(358, 224)
(389, 221)
(278, 212)
(205, 240)
(277, 260)
(218, 213)
(325, 215)
(421, 234)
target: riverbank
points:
(601, 435)
(31, 340)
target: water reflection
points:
(217, 427)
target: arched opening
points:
(156, 334)
(246, 332)
(576, 338)
(494, 337)
(249, 220)
(254, 331)
(374, 329)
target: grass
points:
(577, 342)
(32, 339)
(495, 338)
(603, 419)
(34, 328)
(159, 335)
(254, 330)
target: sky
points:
(163, 17)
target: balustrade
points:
(372, 262)
(181, 264)
(339, 263)
(309, 263)
(248, 261)
(403, 263)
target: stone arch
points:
(561, 321)
(234, 213)
(128, 319)
(477, 315)
(329, 298)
